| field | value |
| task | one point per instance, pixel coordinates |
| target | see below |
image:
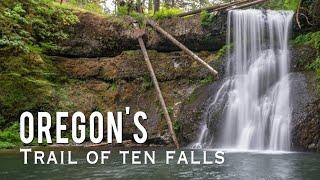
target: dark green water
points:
(236, 166)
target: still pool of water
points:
(238, 165)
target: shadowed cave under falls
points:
(253, 102)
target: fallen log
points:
(156, 84)
(214, 8)
(181, 46)
(246, 4)
(95, 145)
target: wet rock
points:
(301, 56)
(305, 112)
(191, 113)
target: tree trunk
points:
(167, 3)
(138, 6)
(156, 5)
(150, 5)
(159, 94)
(181, 46)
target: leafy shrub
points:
(312, 39)
(166, 13)
(9, 137)
(30, 23)
(206, 18)
(122, 10)
(291, 4)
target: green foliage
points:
(206, 18)
(291, 4)
(32, 23)
(281, 4)
(140, 18)
(222, 51)
(147, 83)
(93, 7)
(315, 66)
(2, 120)
(206, 80)
(27, 83)
(170, 110)
(9, 137)
(113, 86)
(177, 126)
(312, 39)
(82, 5)
(123, 10)
(166, 13)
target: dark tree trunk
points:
(156, 5)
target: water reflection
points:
(243, 165)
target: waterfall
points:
(253, 100)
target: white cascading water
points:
(255, 94)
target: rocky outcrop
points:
(130, 65)
(193, 110)
(305, 121)
(96, 36)
(301, 56)
(111, 84)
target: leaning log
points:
(156, 84)
(247, 4)
(181, 46)
(214, 8)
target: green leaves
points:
(167, 13)
(312, 38)
(206, 18)
(32, 23)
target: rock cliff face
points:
(111, 84)
(97, 36)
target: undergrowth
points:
(9, 137)
(206, 18)
(312, 39)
